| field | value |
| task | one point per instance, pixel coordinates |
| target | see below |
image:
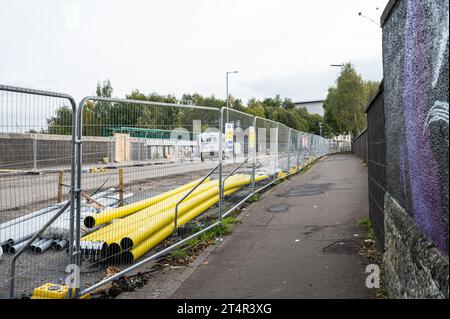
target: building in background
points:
(342, 138)
(313, 107)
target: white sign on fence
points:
(209, 142)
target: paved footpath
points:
(299, 241)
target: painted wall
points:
(415, 63)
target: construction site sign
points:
(229, 136)
(305, 141)
(251, 137)
(209, 142)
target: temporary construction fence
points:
(185, 138)
(37, 130)
(143, 179)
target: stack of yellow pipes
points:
(146, 223)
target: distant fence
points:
(36, 150)
(359, 146)
(370, 146)
(377, 163)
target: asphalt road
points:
(300, 241)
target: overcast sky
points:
(178, 46)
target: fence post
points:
(299, 141)
(34, 154)
(221, 154)
(289, 153)
(278, 151)
(254, 155)
(77, 191)
(60, 185)
(121, 186)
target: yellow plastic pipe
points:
(128, 223)
(114, 237)
(281, 174)
(149, 243)
(111, 235)
(108, 215)
(151, 210)
(157, 221)
(151, 225)
(121, 227)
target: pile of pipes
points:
(132, 230)
(15, 233)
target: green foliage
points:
(290, 118)
(179, 254)
(254, 198)
(199, 100)
(61, 122)
(255, 108)
(314, 121)
(345, 102)
(367, 224)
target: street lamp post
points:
(230, 72)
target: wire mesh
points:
(36, 135)
(239, 153)
(145, 151)
(284, 152)
(147, 178)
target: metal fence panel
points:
(359, 146)
(143, 151)
(294, 150)
(376, 157)
(36, 179)
(284, 133)
(267, 145)
(239, 154)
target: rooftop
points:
(313, 101)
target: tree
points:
(314, 122)
(287, 104)
(255, 108)
(101, 113)
(103, 117)
(369, 89)
(344, 104)
(61, 122)
(290, 118)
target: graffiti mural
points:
(419, 152)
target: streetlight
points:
(230, 72)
